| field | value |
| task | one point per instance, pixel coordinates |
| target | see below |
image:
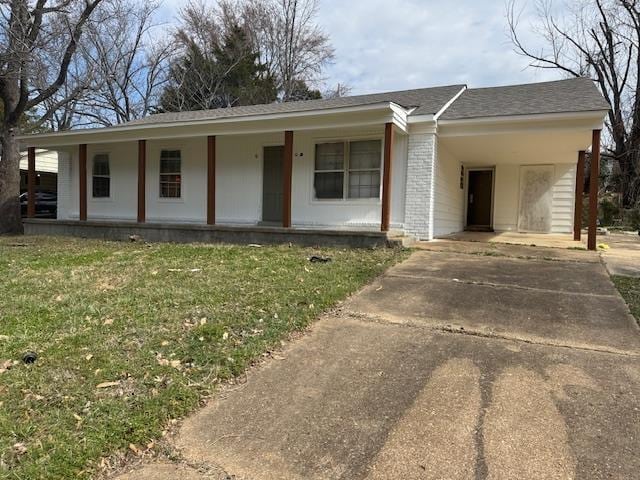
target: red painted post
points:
(593, 190)
(142, 172)
(287, 172)
(82, 179)
(31, 182)
(211, 180)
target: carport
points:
(521, 161)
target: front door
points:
(272, 190)
(479, 199)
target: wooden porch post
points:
(286, 178)
(142, 172)
(577, 216)
(31, 182)
(211, 180)
(82, 179)
(593, 190)
(386, 177)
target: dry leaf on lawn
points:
(107, 384)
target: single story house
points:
(420, 163)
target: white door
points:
(536, 198)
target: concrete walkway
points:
(461, 363)
(623, 255)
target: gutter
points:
(142, 127)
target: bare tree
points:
(129, 58)
(119, 70)
(599, 39)
(291, 44)
(339, 90)
(27, 30)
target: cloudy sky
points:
(390, 45)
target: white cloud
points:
(388, 45)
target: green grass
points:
(629, 288)
(166, 322)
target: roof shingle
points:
(562, 96)
(425, 100)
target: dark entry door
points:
(479, 199)
(272, 190)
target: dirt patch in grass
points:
(629, 288)
(130, 337)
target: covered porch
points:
(341, 172)
(521, 179)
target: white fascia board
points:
(516, 123)
(70, 137)
(400, 117)
(422, 124)
(601, 114)
(449, 103)
(421, 118)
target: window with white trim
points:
(349, 169)
(101, 176)
(170, 174)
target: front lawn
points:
(130, 336)
(629, 288)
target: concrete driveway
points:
(468, 361)
(623, 255)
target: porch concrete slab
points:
(576, 277)
(576, 254)
(529, 239)
(600, 322)
(201, 233)
(623, 255)
(365, 400)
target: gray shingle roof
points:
(425, 100)
(572, 95)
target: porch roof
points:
(447, 104)
(422, 101)
(563, 96)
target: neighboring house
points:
(46, 171)
(422, 163)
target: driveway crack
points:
(459, 330)
(500, 285)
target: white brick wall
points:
(420, 185)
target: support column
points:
(142, 174)
(593, 190)
(211, 180)
(82, 180)
(577, 215)
(287, 170)
(31, 182)
(386, 177)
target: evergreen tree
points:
(228, 75)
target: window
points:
(347, 170)
(329, 176)
(101, 176)
(170, 176)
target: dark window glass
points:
(170, 174)
(329, 184)
(101, 176)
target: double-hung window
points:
(170, 174)
(348, 170)
(101, 176)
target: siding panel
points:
(449, 197)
